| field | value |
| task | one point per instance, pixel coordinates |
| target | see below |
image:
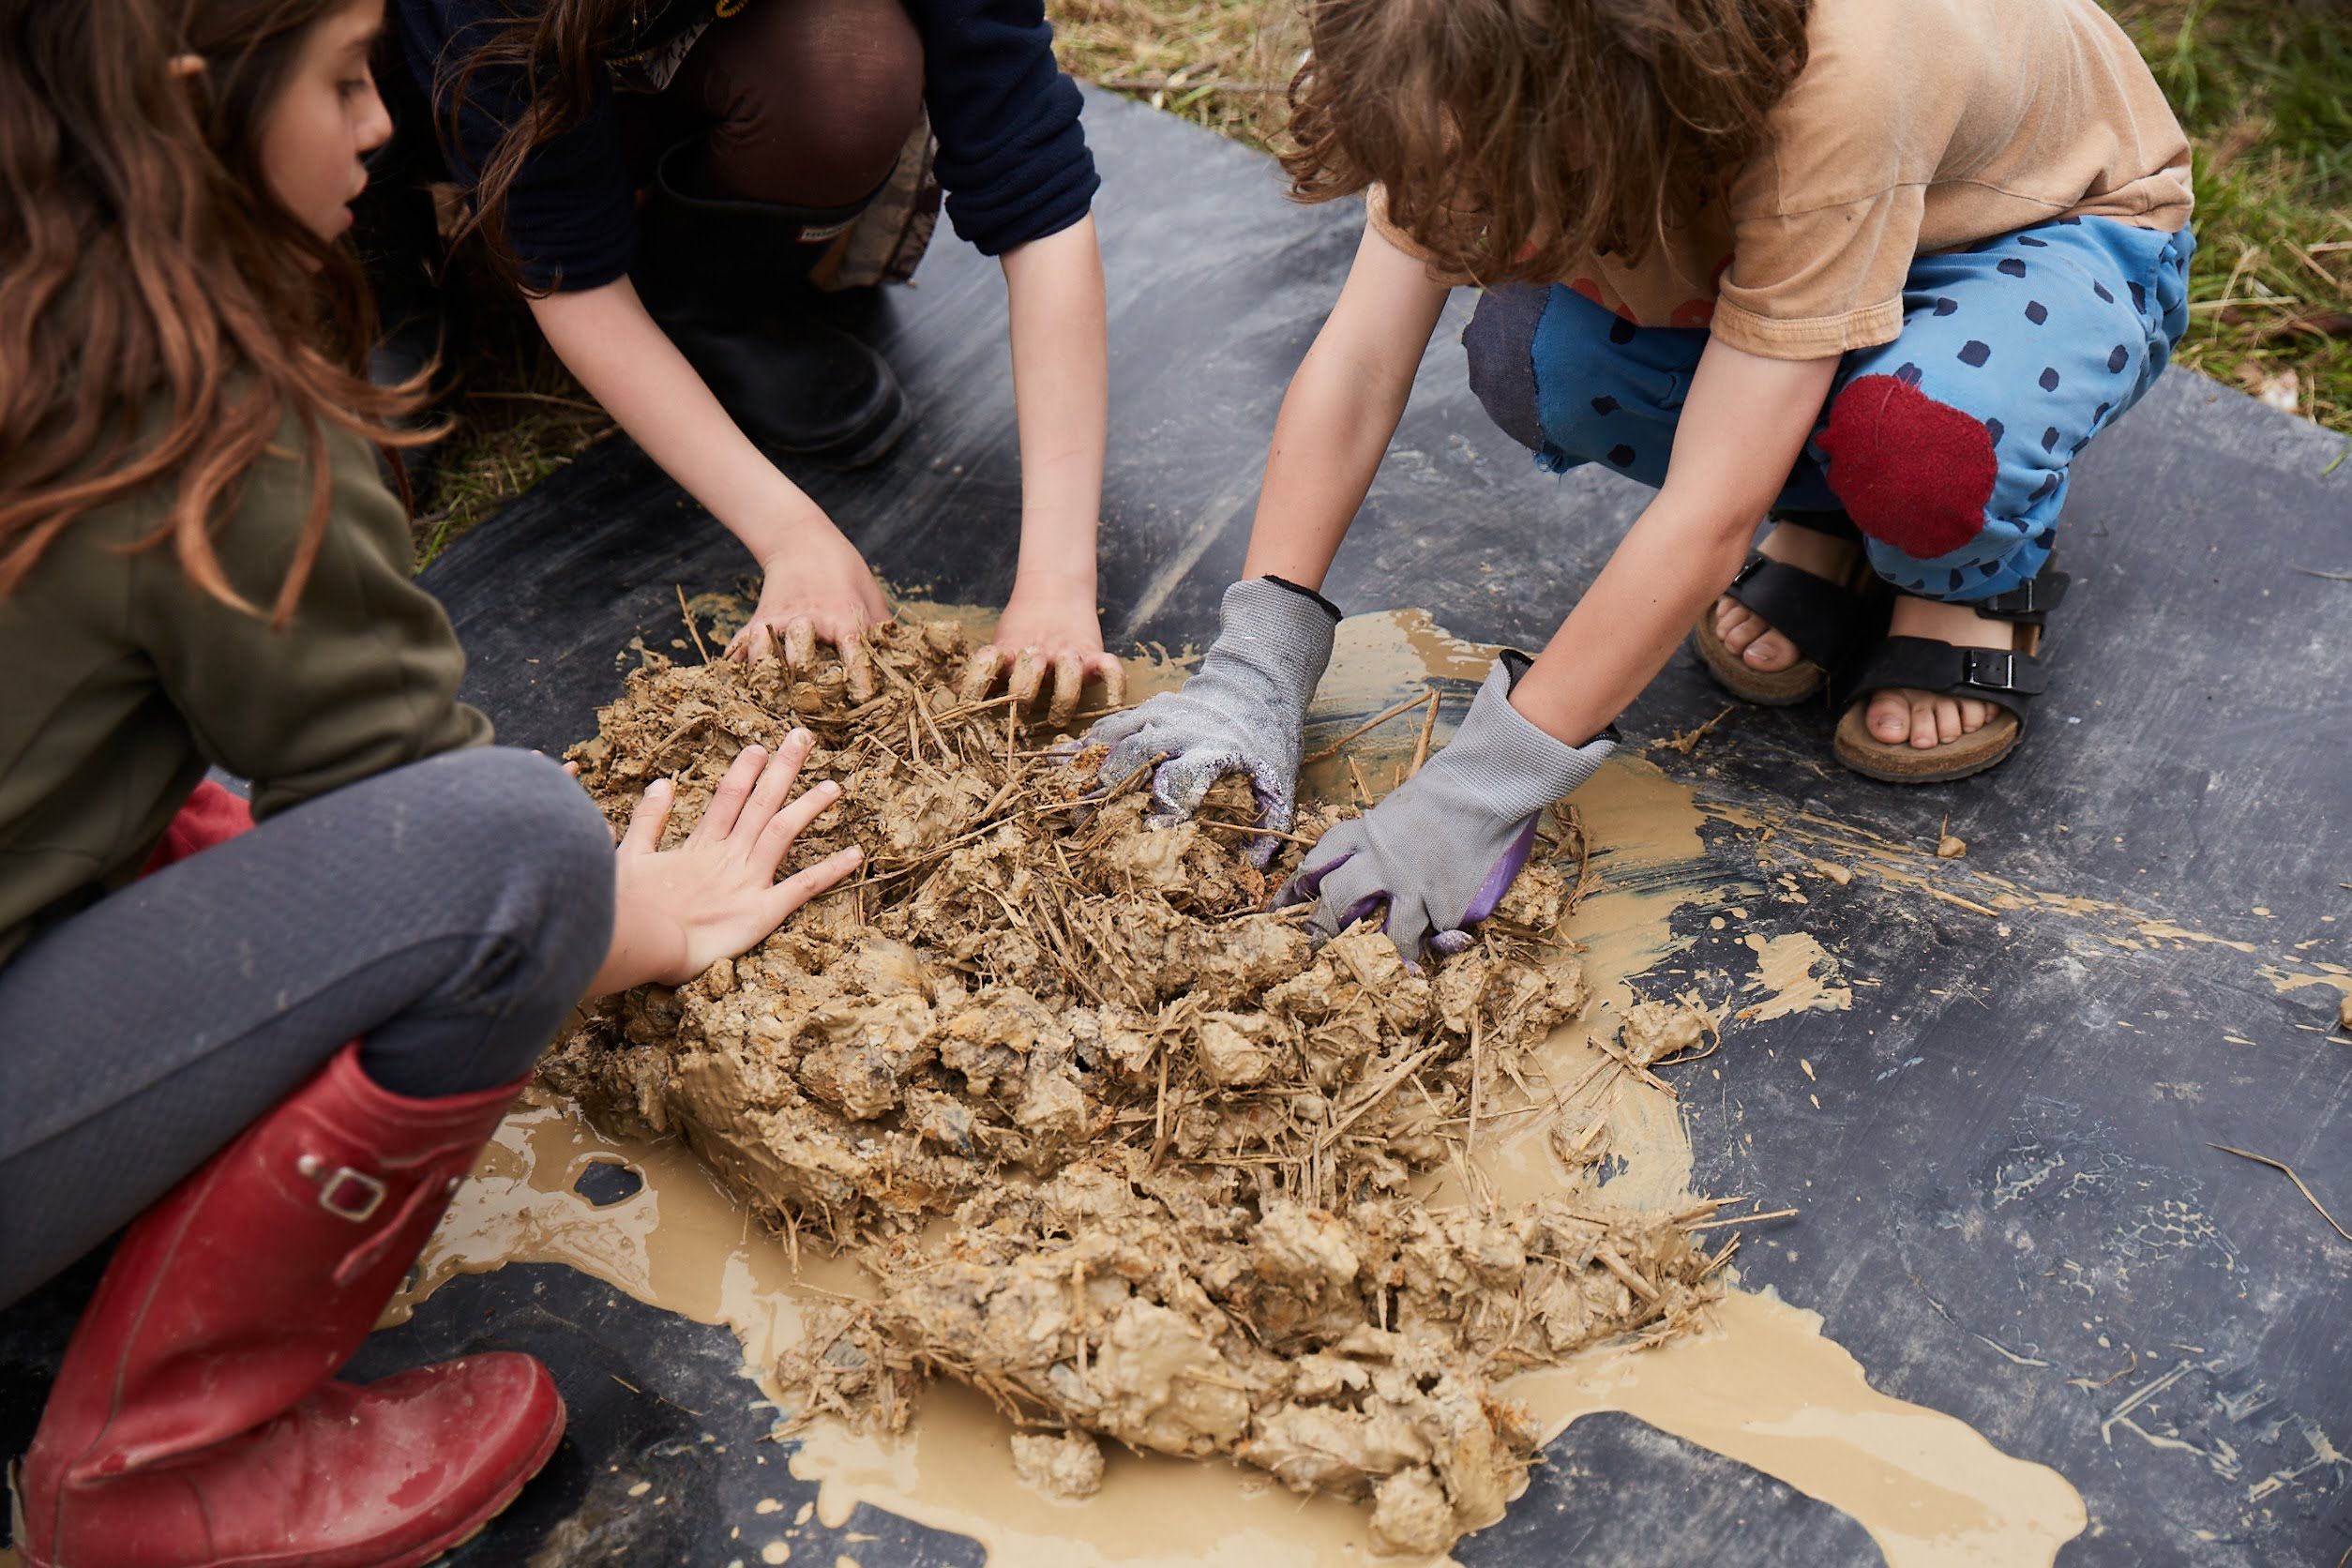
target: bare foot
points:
(1747, 633)
(1927, 718)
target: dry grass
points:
(518, 415)
(1224, 63)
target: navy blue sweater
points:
(1012, 157)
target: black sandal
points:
(2009, 678)
(1829, 622)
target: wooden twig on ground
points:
(1254, 832)
(1687, 741)
(1741, 1219)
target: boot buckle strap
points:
(347, 1193)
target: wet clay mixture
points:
(1116, 1145)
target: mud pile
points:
(1119, 1146)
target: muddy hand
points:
(1243, 712)
(1047, 643)
(1440, 853)
(821, 594)
(796, 640)
(1030, 673)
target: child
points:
(762, 130)
(1883, 270)
(200, 566)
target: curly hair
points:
(1513, 139)
(161, 313)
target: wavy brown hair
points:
(161, 313)
(1516, 138)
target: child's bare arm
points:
(1340, 412)
(809, 570)
(1745, 422)
(1060, 377)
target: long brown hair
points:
(552, 57)
(1516, 138)
(161, 313)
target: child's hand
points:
(1043, 633)
(677, 912)
(818, 591)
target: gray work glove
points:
(1244, 710)
(1443, 849)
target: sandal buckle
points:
(1979, 667)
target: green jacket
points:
(124, 681)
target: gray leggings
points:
(447, 914)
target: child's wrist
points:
(1055, 584)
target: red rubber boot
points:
(193, 1421)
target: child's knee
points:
(1500, 345)
(819, 103)
(1914, 474)
(1576, 382)
(535, 846)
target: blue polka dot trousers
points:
(1950, 447)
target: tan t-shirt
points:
(1917, 125)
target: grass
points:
(2265, 90)
(518, 415)
(2263, 86)
(1223, 63)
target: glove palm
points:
(1245, 711)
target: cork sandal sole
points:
(1765, 688)
(1829, 619)
(1903, 764)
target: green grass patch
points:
(2265, 91)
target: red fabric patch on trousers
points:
(1913, 472)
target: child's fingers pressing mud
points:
(782, 827)
(727, 800)
(807, 883)
(1069, 681)
(857, 667)
(648, 817)
(1029, 675)
(800, 645)
(979, 676)
(776, 780)
(1113, 671)
(750, 645)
